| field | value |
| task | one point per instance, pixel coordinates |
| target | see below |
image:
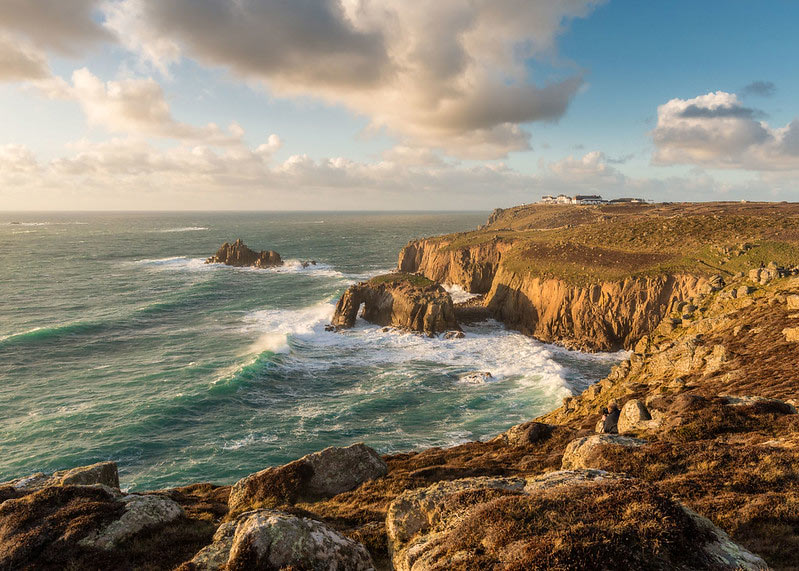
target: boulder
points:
(239, 255)
(634, 416)
(586, 452)
(268, 539)
(104, 473)
(322, 474)
(763, 403)
(526, 434)
(141, 512)
(561, 520)
(454, 335)
(405, 301)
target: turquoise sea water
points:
(117, 342)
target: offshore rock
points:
(398, 300)
(239, 255)
(268, 539)
(322, 474)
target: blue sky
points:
(383, 104)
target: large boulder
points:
(562, 520)
(586, 452)
(322, 474)
(634, 416)
(238, 254)
(104, 473)
(405, 301)
(268, 539)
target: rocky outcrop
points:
(239, 255)
(398, 300)
(104, 473)
(268, 539)
(319, 475)
(605, 316)
(506, 523)
(586, 452)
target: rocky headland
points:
(701, 472)
(405, 301)
(239, 255)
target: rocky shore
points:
(701, 472)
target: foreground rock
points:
(268, 539)
(104, 473)
(319, 475)
(602, 521)
(78, 525)
(239, 255)
(587, 452)
(398, 300)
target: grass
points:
(413, 279)
(584, 245)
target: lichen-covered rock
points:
(140, 513)
(562, 520)
(398, 300)
(525, 434)
(634, 416)
(268, 539)
(239, 255)
(104, 473)
(319, 475)
(586, 452)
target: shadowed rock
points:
(319, 475)
(239, 255)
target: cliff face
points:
(472, 268)
(397, 302)
(607, 316)
(239, 255)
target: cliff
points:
(398, 300)
(239, 255)
(598, 278)
(702, 474)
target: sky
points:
(394, 104)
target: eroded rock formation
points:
(239, 255)
(398, 300)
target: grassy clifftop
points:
(589, 244)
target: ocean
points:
(118, 343)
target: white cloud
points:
(449, 75)
(133, 106)
(716, 130)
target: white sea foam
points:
(186, 229)
(458, 294)
(251, 438)
(506, 355)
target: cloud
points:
(64, 26)
(448, 75)
(759, 88)
(19, 62)
(129, 173)
(715, 130)
(133, 106)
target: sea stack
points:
(401, 300)
(239, 255)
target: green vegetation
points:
(590, 244)
(413, 279)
